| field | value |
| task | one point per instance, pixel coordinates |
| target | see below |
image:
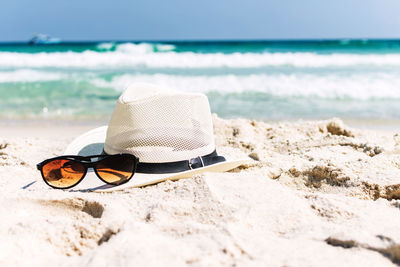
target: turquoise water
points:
(351, 79)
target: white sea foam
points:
(380, 85)
(164, 47)
(133, 49)
(142, 48)
(357, 86)
(27, 75)
(143, 55)
(105, 46)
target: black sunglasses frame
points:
(87, 163)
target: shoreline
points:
(73, 127)
(47, 128)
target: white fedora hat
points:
(170, 132)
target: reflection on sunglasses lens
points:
(63, 173)
(116, 170)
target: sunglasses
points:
(67, 171)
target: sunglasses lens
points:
(63, 173)
(117, 169)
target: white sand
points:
(316, 196)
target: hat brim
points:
(92, 143)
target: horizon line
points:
(209, 40)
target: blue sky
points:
(199, 20)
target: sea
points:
(265, 80)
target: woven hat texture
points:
(160, 125)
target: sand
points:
(318, 193)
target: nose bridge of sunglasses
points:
(89, 161)
(78, 164)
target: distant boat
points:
(43, 39)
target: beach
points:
(200, 134)
(317, 119)
(316, 193)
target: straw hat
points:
(170, 132)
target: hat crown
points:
(160, 125)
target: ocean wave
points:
(377, 86)
(105, 46)
(145, 55)
(141, 48)
(134, 49)
(27, 75)
(164, 47)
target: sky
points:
(199, 20)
